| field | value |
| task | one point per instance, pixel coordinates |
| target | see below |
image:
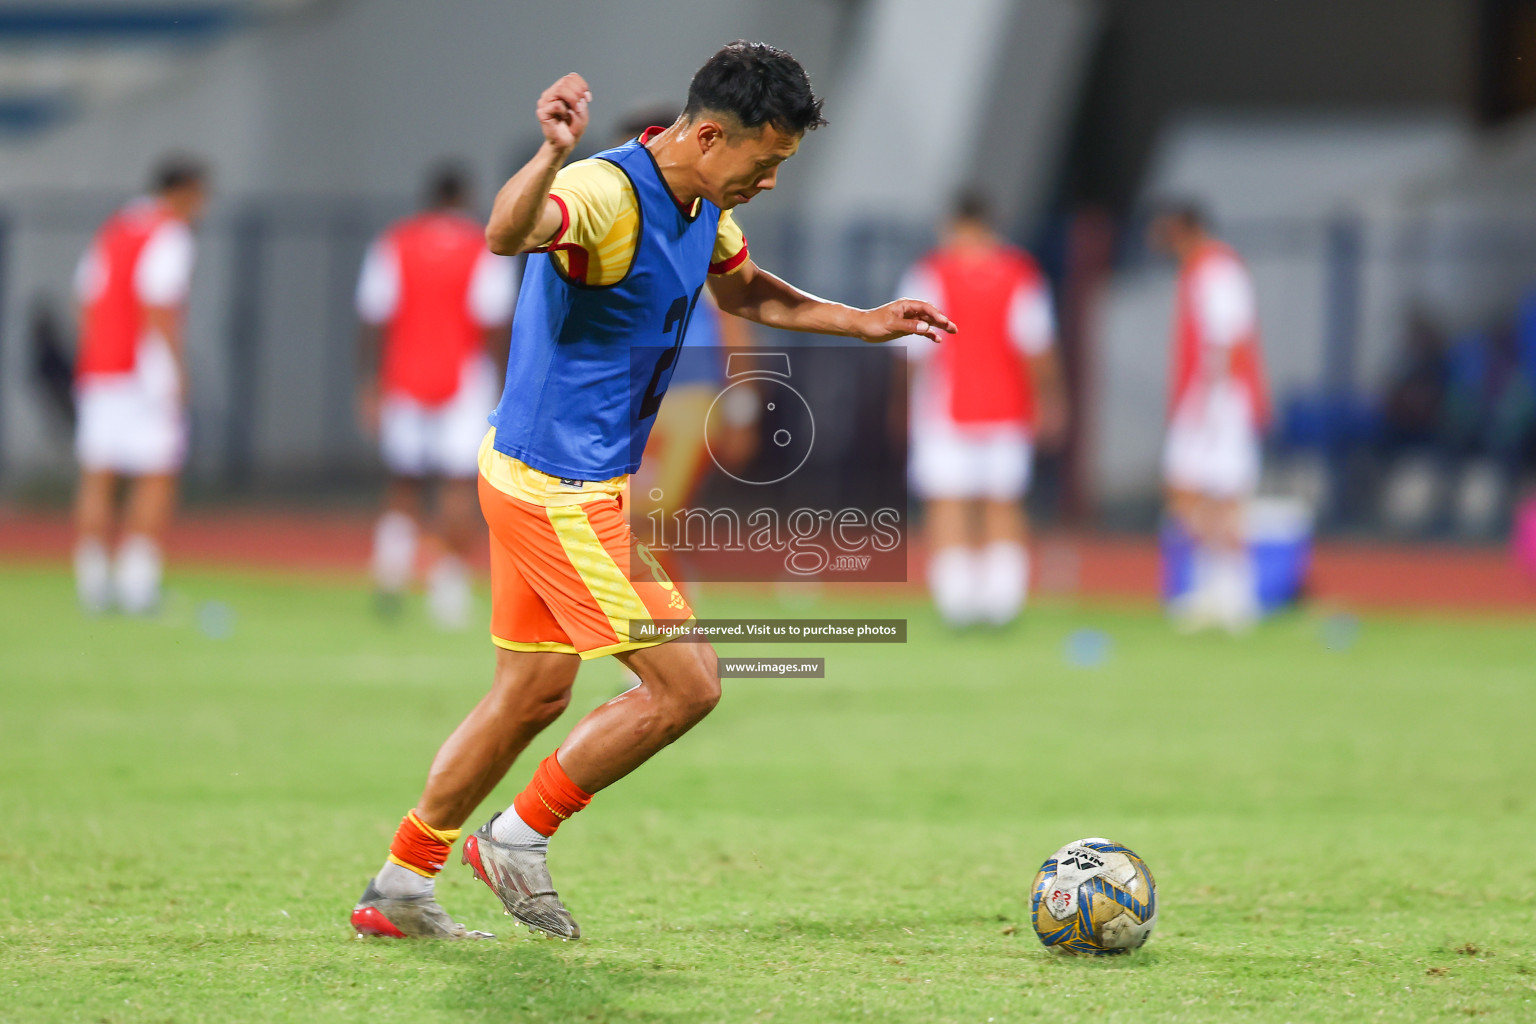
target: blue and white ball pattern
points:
(1093, 896)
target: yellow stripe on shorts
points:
(604, 579)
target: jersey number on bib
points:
(678, 316)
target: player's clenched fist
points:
(562, 111)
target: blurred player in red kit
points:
(1217, 411)
(980, 404)
(436, 307)
(130, 382)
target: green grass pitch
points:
(1337, 834)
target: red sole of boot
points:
(369, 921)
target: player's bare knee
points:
(533, 688)
(704, 682)
(535, 700)
(711, 673)
(548, 709)
(706, 698)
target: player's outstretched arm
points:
(523, 216)
(754, 294)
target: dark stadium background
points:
(1394, 251)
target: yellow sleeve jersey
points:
(600, 226)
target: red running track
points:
(1360, 575)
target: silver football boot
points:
(416, 917)
(520, 879)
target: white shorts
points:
(1213, 450)
(133, 423)
(951, 461)
(439, 440)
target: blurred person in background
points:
(436, 308)
(980, 403)
(131, 385)
(1218, 408)
(1413, 407)
(677, 458)
(53, 365)
(1514, 426)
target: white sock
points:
(400, 883)
(1236, 594)
(1004, 580)
(1204, 577)
(513, 831)
(448, 594)
(394, 551)
(93, 575)
(953, 579)
(137, 575)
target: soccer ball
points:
(1093, 896)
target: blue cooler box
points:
(1279, 541)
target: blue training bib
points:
(588, 364)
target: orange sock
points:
(550, 798)
(421, 848)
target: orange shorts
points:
(560, 563)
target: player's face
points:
(1169, 235)
(189, 200)
(743, 163)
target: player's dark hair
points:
(635, 121)
(757, 84)
(177, 170)
(974, 205)
(447, 184)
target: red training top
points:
(432, 331)
(1191, 345)
(113, 320)
(986, 375)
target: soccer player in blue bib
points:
(622, 246)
